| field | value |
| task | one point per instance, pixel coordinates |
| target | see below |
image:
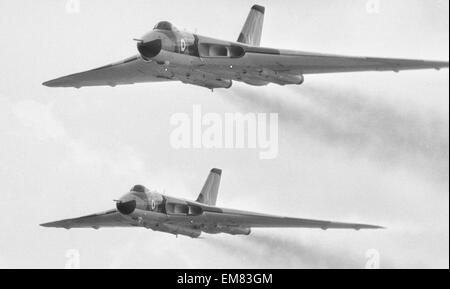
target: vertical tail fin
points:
(252, 31)
(208, 195)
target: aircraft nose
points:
(150, 49)
(127, 207)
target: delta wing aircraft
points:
(167, 54)
(151, 210)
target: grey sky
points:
(370, 147)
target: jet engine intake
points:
(220, 50)
(126, 208)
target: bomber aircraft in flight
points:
(168, 54)
(142, 207)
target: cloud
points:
(122, 252)
(272, 251)
(360, 124)
(40, 120)
(3, 264)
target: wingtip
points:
(47, 83)
(372, 227)
(259, 8)
(59, 224)
(445, 65)
(65, 81)
(51, 83)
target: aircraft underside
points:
(184, 225)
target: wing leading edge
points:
(129, 71)
(254, 220)
(109, 219)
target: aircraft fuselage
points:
(184, 54)
(158, 212)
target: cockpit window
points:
(139, 189)
(164, 25)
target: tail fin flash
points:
(252, 31)
(208, 195)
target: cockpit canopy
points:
(164, 25)
(139, 189)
